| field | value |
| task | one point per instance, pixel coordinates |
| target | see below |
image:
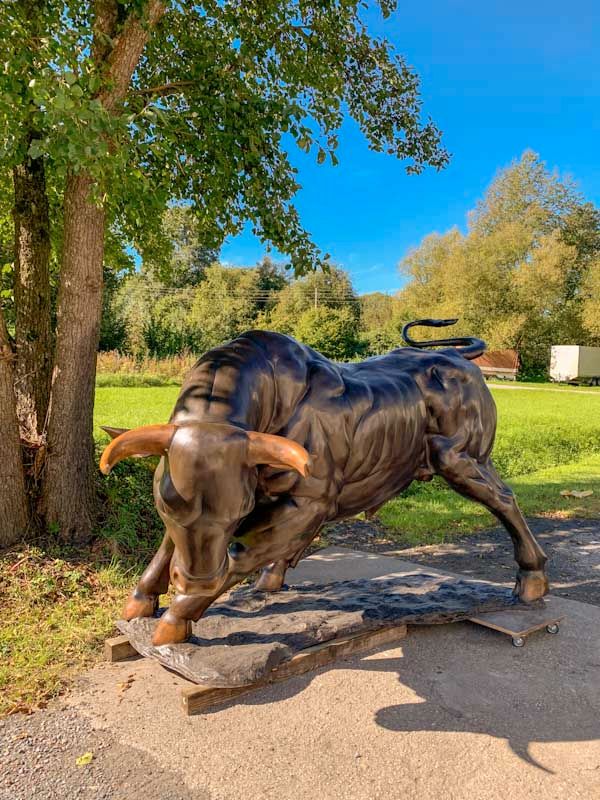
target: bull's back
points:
(254, 381)
(387, 436)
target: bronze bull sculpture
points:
(269, 440)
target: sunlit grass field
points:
(59, 605)
(536, 429)
(546, 441)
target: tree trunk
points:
(14, 512)
(68, 485)
(68, 495)
(32, 298)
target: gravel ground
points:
(38, 762)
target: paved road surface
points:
(454, 713)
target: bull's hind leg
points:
(143, 601)
(480, 482)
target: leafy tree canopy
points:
(222, 89)
(527, 193)
(180, 257)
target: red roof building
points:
(499, 364)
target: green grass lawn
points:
(429, 513)
(546, 441)
(561, 387)
(58, 606)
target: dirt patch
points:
(572, 546)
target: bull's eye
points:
(236, 549)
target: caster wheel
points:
(518, 641)
(552, 628)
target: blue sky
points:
(497, 78)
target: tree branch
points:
(166, 88)
(170, 88)
(106, 14)
(125, 54)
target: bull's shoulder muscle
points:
(254, 381)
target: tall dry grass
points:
(115, 369)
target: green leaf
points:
(35, 148)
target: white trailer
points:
(570, 363)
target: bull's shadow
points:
(478, 683)
(472, 680)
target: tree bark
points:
(32, 298)
(14, 511)
(68, 485)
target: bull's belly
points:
(372, 491)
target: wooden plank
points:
(118, 649)
(519, 621)
(197, 698)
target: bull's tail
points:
(468, 346)
(149, 440)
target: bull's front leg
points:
(279, 533)
(143, 601)
(272, 577)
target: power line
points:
(258, 295)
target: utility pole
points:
(316, 298)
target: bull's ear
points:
(277, 451)
(113, 432)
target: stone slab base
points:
(243, 637)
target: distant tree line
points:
(190, 302)
(525, 275)
(145, 316)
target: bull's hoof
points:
(167, 632)
(269, 582)
(531, 585)
(140, 605)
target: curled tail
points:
(468, 346)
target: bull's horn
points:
(149, 440)
(113, 432)
(277, 451)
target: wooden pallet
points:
(196, 698)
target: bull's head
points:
(204, 487)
